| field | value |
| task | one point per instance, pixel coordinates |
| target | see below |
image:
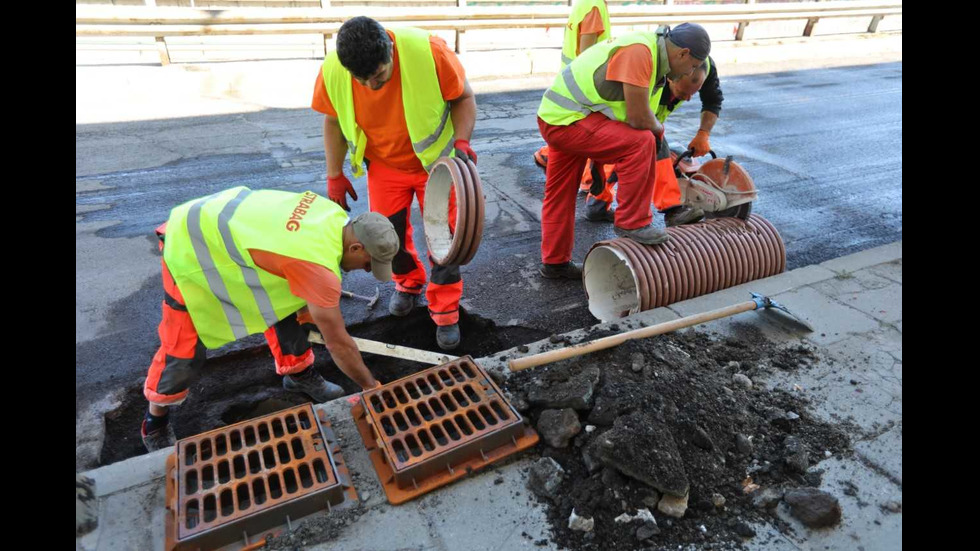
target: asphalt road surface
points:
(823, 146)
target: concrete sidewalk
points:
(855, 305)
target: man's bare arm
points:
(638, 113)
(463, 111)
(341, 346)
(334, 146)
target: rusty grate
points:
(252, 477)
(431, 428)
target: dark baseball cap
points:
(693, 37)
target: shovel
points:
(758, 301)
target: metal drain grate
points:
(430, 428)
(253, 476)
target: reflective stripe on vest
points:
(227, 295)
(580, 9)
(427, 114)
(573, 95)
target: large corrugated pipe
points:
(622, 277)
(452, 178)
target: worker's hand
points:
(658, 130)
(464, 151)
(700, 145)
(338, 189)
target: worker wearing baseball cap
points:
(241, 262)
(602, 106)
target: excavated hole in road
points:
(244, 385)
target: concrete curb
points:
(138, 470)
(133, 488)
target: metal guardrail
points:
(159, 22)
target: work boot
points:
(568, 270)
(310, 382)
(648, 235)
(682, 214)
(598, 211)
(402, 303)
(447, 336)
(159, 439)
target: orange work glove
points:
(338, 189)
(700, 144)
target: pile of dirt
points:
(244, 385)
(653, 420)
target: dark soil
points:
(684, 393)
(243, 385)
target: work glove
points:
(598, 179)
(464, 151)
(338, 189)
(700, 145)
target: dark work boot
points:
(310, 382)
(447, 336)
(402, 303)
(598, 211)
(568, 270)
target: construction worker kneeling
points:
(601, 107)
(241, 262)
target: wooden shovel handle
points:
(527, 362)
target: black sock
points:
(152, 423)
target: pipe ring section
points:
(453, 242)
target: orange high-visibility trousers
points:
(390, 193)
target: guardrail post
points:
(741, 30)
(740, 33)
(808, 30)
(324, 4)
(163, 51)
(460, 47)
(873, 27)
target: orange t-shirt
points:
(311, 282)
(632, 64)
(592, 23)
(381, 113)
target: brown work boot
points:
(159, 439)
(682, 214)
(648, 235)
(568, 270)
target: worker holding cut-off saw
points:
(396, 101)
(241, 262)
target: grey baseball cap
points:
(378, 236)
(693, 36)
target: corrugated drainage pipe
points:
(622, 277)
